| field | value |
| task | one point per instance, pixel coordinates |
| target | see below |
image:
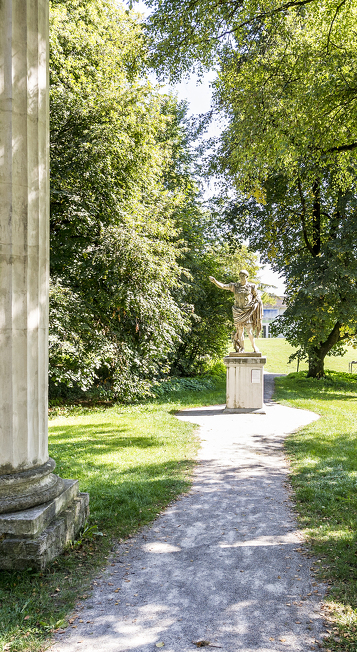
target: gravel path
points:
(223, 564)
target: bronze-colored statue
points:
(247, 310)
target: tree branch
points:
(316, 218)
(303, 218)
(342, 148)
(332, 339)
(266, 14)
(332, 22)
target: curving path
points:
(223, 564)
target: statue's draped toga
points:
(247, 310)
(248, 306)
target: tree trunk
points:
(317, 365)
(318, 354)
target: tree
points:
(194, 35)
(287, 84)
(114, 244)
(291, 146)
(130, 240)
(207, 250)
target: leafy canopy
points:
(286, 83)
(131, 243)
(114, 243)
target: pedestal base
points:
(261, 410)
(34, 537)
(244, 393)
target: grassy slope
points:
(278, 351)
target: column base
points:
(24, 489)
(261, 410)
(34, 537)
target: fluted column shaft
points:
(24, 241)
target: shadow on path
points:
(223, 563)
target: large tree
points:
(114, 244)
(287, 84)
(131, 243)
(291, 145)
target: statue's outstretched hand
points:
(212, 279)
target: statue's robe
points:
(248, 306)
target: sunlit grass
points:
(278, 351)
(323, 459)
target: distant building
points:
(270, 312)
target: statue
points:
(247, 310)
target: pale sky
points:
(198, 93)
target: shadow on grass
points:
(127, 476)
(89, 434)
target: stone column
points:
(26, 477)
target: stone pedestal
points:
(245, 383)
(26, 472)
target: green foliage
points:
(114, 242)
(131, 244)
(176, 384)
(286, 84)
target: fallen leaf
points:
(272, 639)
(160, 644)
(26, 617)
(201, 643)
(282, 640)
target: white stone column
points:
(25, 469)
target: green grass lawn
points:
(278, 351)
(323, 459)
(133, 460)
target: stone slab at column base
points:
(245, 383)
(261, 410)
(35, 536)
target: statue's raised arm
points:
(222, 286)
(247, 310)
